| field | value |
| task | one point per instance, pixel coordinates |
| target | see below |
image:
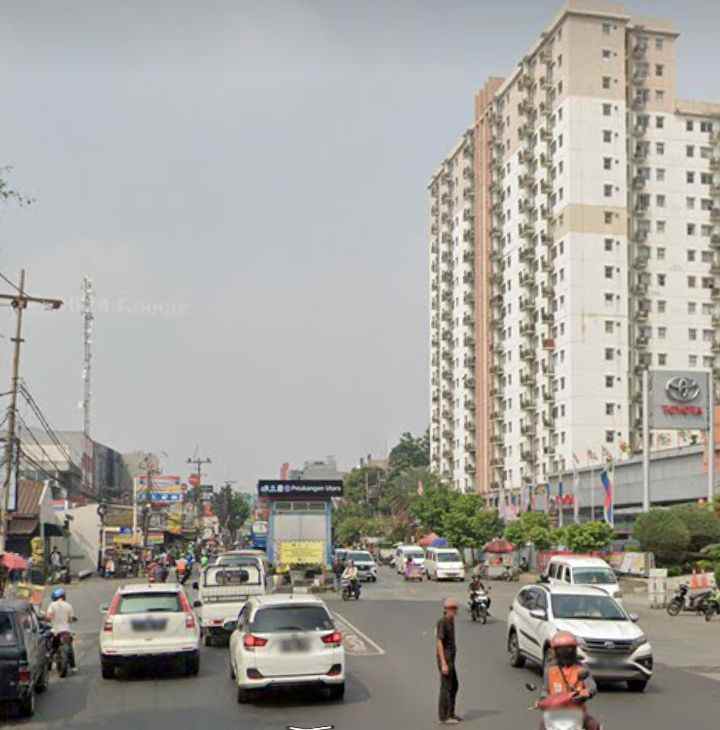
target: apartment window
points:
(562, 410)
(609, 245)
(692, 361)
(691, 280)
(659, 95)
(606, 27)
(660, 254)
(690, 228)
(659, 69)
(660, 201)
(689, 125)
(559, 61)
(607, 135)
(690, 177)
(609, 298)
(660, 174)
(692, 307)
(706, 230)
(690, 150)
(706, 178)
(609, 381)
(660, 148)
(609, 270)
(609, 353)
(561, 248)
(607, 163)
(661, 279)
(607, 110)
(606, 53)
(706, 126)
(561, 167)
(609, 409)
(659, 43)
(609, 326)
(707, 282)
(707, 257)
(662, 358)
(691, 255)
(690, 203)
(708, 335)
(560, 112)
(560, 140)
(606, 82)
(661, 306)
(662, 333)
(706, 204)
(608, 217)
(607, 190)
(609, 437)
(692, 334)
(705, 153)
(708, 361)
(659, 122)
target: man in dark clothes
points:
(446, 651)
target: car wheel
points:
(107, 668)
(42, 684)
(27, 704)
(337, 692)
(192, 665)
(232, 670)
(243, 695)
(637, 685)
(517, 660)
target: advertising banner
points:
(679, 400)
(163, 488)
(297, 552)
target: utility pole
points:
(198, 492)
(19, 302)
(88, 320)
(147, 464)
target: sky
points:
(245, 183)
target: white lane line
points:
(363, 636)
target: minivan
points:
(442, 563)
(403, 552)
(581, 570)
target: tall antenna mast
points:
(88, 296)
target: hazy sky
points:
(245, 184)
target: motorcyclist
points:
(350, 574)
(565, 673)
(60, 614)
(477, 586)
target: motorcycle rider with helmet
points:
(565, 673)
(60, 614)
(477, 586)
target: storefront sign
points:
(679, 400)
(308, 489)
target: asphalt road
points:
(392, 677)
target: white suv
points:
(149, 622)
(610, 642)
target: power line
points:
(49, 459)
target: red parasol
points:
(499, 545)
(427, 540)
(13, 561)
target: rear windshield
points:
(237, 560)
(231, 575)
(150, 603)
(594, 576)
(7, 633)
(360, 557)
(291, 618)
(414, 553)
(448, 557)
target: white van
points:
(444, 563)
(584, 571)
(403, 552)
(222, 591)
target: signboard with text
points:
(304, 488)
(679, 400)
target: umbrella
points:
(13, 561)
(499, 545)
(427, 541)
(439, 542)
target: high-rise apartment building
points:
(575, 242)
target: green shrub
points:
(702, 524)
(664, 533)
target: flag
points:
(421, 488)
(608, 510)
(531, 500)
(576, 491)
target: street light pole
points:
(198, 502)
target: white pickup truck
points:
(221, 594)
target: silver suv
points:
(610, 641)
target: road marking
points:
(355, 642)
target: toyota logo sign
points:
(682, 389)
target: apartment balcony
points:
(446, 199)
(715, 190)
(468, 194)
(468, 235)
(528, 329)
(715, 215)
(469, 299)
(447, 335)
(468, 277)
(640, 73)
(640, 130)
(434, 209)
(642, 342)
(528, 306)
(469, 340)
(715, 294)
(640, 289)
(715, 237)
(469, 425)
(640, 234)
(639, 182)
(446, 238)
(470, 469)
(545, 160)
(529, 457)
(525, 107)
(527, 253)
(640, 48)
(640, 153)
(496, 232)
(446, 257)
(715, 164)
(644, 362)
(528, 354)
(468, 151)
(639, 101)
(469, 320)
(642, 256)
(525, 231)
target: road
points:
(392, 676)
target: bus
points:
(258, 535)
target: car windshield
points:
(291, 618)
(415, 554)
(232, 575)
(601, 608)
(361, 557)
(448, 558)
(594, 576)
(149, 603)
(7, 633)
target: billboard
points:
(679, 400)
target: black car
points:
(24, 660)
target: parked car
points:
(444, 564)
(286, 641)
(610, 642)
(579, 570)
(151, 621)
(24, 656)
(403, 552)
(365, 564)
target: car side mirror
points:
(539, 614)
(634, 618)
(197, 604)
(104, 608)
(195, 586)
(230, 626)
(543, 579)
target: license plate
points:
(148, 624)
(293, 645)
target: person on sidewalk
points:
(446, 652)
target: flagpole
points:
(592, 493)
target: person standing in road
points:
(446, 651)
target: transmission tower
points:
(88, 296)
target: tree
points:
(664, 533)
(430, 509)
(702, 524)
(469, 524)
(409, 453)
(587, 537)
(9, 194)
(401, 489)
(519, 531)
(231, 508)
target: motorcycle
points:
(479, 605)
(510, 574)
(560, 712)
(62, 654)
(712, 605)
(684, 601)
(350, 589)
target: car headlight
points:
(637, 643)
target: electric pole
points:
(198, 492)
(88, 323)
(19, 302)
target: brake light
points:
(250, 641)
(114, 605)
(24, 676)
(334, 639)
(189, 621)
(189, 615)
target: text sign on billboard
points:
(317, 488)
(679, 400)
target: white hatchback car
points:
(610, 642)
(286, 641)
(150, 621)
